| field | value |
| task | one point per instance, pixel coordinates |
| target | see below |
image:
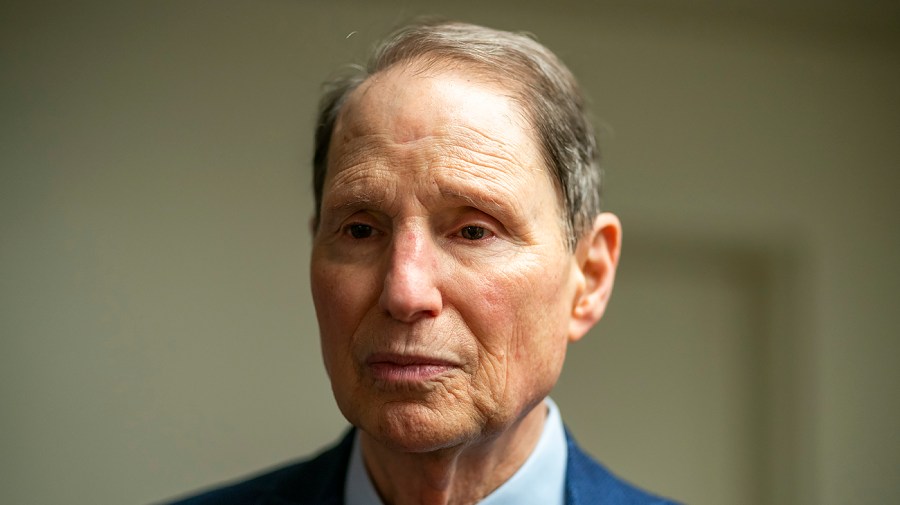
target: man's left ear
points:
(597, 255)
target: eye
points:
(359, 230)
(472, 232)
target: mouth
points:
(399, 368)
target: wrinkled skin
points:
(445, 293)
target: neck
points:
(459, 475)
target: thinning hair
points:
(542, 85)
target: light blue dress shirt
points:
(541, 479)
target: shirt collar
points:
(541, 479)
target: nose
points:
(411, 289)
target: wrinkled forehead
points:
(418, 99)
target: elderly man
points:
(459, 247)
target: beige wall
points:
(156, 330)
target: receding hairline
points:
(435, 65)
(446, 65)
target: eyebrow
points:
(354, 200)
(480, 200)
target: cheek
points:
(340, 303)
(340, 292)
(529, 295)
(325, 293)
(519, 313)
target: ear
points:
(597, 255)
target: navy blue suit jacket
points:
(320, 481)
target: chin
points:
(417, 428)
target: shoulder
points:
(589, 482)
(318, 480)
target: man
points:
(459, 247)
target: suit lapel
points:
(319, 481)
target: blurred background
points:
(156, 328)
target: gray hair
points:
(545, 89)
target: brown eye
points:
(472, 232)
(358, 230)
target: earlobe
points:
(597, 255)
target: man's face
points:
(441, 279)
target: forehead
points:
(442, 136)
(411, 102)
